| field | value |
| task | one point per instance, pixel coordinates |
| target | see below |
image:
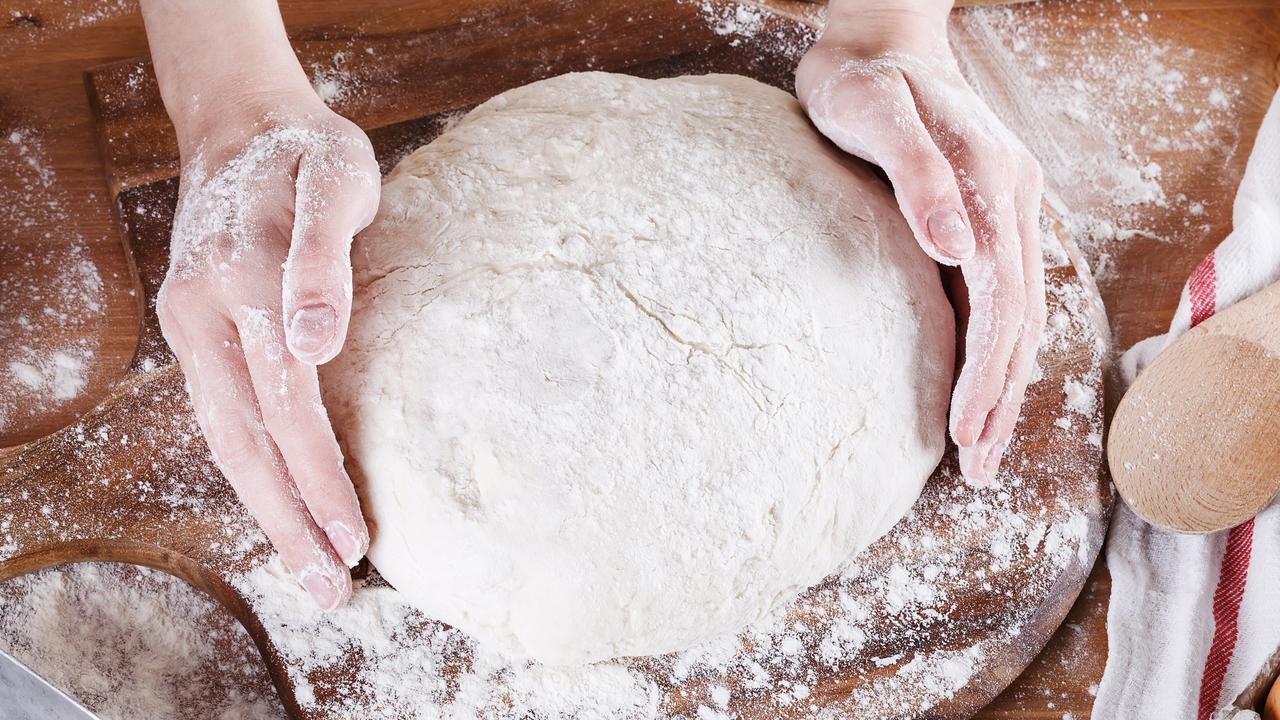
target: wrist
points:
(221, 63)
(874, 27)
(231, 109)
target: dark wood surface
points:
(1007, 610)
(46, 47)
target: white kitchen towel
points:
(1194, 619)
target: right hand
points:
(882, 84)
(258, 293)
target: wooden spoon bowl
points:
(1195, 442)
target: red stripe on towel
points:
(1226, 615)
(1202, 288)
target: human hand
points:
(264, 188)
(258, 293)
(882, 84)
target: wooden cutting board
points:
(932, 621)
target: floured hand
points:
(258, 293)
(274, 185)
(883, 85)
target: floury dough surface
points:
(633, 362)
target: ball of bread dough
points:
(632, 362)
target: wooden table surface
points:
(45, 45)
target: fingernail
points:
(312, 328)
(344, 543)
(949, 233)
(964, 435)
(993, 460)
(970, 469)
(322, 589)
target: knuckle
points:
(980, 151)
(815, 70)
(175, 289)
(929, 168)
(814, 64)
(347, 149)
(315, 273)
(1032, 173)
(363, 159)
(177, 294)
(1001, 152)
(328, 496)
(319, 250)
(279, 421)
(236, 448)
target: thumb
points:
(333, 202)
(878, 121)
(925, 186)
(929, 198)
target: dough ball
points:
(633, 362)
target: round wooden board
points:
(932, 621)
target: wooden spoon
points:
(1195, 443)
(1271, 708)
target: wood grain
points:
(45, 48)
(1009, 613)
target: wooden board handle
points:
(114, 485)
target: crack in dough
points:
(632, 362)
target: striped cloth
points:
(1195, 619)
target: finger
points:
(997, 303)
(288, 393)
(229, 418)
(171, 327)
(877, 120)
(252, 464)
(336, 197)
(995, 437)
(979, 463)
(988, 167)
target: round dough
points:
(632, 362)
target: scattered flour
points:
(732, 19)
(749, 23)
(412, 667)
(99, 11)
(42, 22)
(334, 82)
(60, 374)
(1082, 399)
(132, 643)
(51, 293)
(1100, 120)
(329, 87)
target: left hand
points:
(274, 185)
(882, 84)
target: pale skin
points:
(258, 292)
